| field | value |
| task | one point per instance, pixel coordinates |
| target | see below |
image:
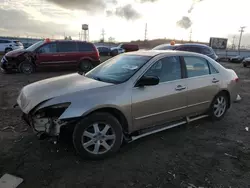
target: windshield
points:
(118, 69)
(35, 46)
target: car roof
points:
(185, 44)
(161, 45)
(195, 44)
(5, 39)
(70, 41)
(152, 53)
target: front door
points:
(203, 84)
(48, 56)
(153, 105)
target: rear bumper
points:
(97, 62)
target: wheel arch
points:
(225, 92)
(117, 114)
(8, 48)
(86, 59)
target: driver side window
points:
(48, 48)
(167, 69)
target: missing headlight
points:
(52, 111)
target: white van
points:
(9, 45)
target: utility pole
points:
(190, 36)
(146, 32)
(241, 31)
(233, 46)
(103, 34)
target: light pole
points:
(233, 46)
(241, 31)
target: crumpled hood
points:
(33, 94)
(15, 53)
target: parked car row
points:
(113, 51)
(52, 54)
(237, 59)
(107, 51)
(57, 54)
(9, 45)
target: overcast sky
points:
(125, 19)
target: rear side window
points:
(66, 47)
(196, 66)
(85, 47)
(212, 69)
(205, 51)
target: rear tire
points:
(244, 65)
(85, 66)
(219, 106)
(97, 136)
(26, 67)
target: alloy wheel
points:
(220, 106)
(27, 68)
(98, 138)
(86, 66)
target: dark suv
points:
(52, 54)
(192, 47)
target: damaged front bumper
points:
(50, 126)
(46, 120)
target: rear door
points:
(47, 55)
(87, 50)
(68, 53)
(203, 82)
(167, 101)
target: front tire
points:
(97, 136)
(244, 65)
(26, 67)
(219, 106)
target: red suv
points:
(52, 54)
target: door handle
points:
(215, 80)
(55, 55)
(62, 55)
(180, 88)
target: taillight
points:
(236, 79)
(97, 53)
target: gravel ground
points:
(201, 154)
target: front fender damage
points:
(47, 118)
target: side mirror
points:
(148, 81)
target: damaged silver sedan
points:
(127, 97)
